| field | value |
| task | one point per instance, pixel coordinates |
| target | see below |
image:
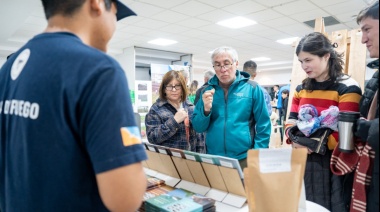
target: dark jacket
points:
(198, 93)
(329, 190)
(373, 135)
(285, 107)
(162, 129)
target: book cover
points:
(163, 189)
(231, 163)
(157, 192)
(176, 153)
(192, 156)
(151, 147)
(206, 202)
(154, 182)
(170, 203)
(211, 159)
(162, 149)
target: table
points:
(310, 207)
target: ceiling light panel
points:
(237, 22)
(287, 41)
(162, 42)
(260, 59)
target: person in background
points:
(193, 90)
(72, 144)
(186, 75)
(279, 100)
(361, 167)
(279, 108)
(276, 88)
(326, 85)
(232, 110)
(167, 122)
(285, 100)
(273, 119)
(250, 67)
(206, 77)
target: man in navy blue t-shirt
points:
(68, 137)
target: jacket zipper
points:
(225, 123)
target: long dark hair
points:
(318, 44)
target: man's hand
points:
(207, 98)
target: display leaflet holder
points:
(218, 189)
(218, 181)
(183, 169)
(236, 196)
(154, 161)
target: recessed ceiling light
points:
(287, 41)
(259, 59)
(237, 22)
(162, 42)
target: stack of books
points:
(180, 200)
(155, 187)
(154, 182)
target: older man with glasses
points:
(232, 110)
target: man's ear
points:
(96, 7)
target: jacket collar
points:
(161, 102)
(374, 64)
(240, 76)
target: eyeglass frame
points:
(172, 87)
(223, 66)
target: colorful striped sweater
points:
(344, 94)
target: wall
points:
(142, 74)
(127, 62)
(2, 61)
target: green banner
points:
(132, 94)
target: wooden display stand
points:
(349, 43)
(220, 183)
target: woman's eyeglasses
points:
(170, 88)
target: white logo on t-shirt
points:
(19, 63)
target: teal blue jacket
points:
(235, 124)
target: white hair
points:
(225, 49)
(209, 74)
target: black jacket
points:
(373, 135)
(198, 93)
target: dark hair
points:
(169, 76)
(66, 7)
(318, 44)
(371, 11)
(250, 65)
(285, 92)
(276, 86)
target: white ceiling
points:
(192, 24)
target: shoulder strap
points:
(372, 109)
(252, 83)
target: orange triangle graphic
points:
(128, 138)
